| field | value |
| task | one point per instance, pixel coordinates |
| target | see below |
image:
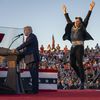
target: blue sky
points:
(46, 18)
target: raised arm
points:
(92, 4)
(66, 14)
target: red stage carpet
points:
(57, 95)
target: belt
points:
(74, 43)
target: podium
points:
(13, 80)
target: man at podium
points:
(30, 52)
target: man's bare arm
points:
(92, 4)
(64, 8)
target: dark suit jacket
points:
(70, 24)
(30, 47)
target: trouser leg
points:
(73, 61)
(79, 61)
(34, 75)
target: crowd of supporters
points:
(57, 59)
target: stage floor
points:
(56, 95)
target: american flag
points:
(47, 79)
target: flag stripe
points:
(48, 75)
(48, 86)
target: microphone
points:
(19, 35)
(15, 38)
